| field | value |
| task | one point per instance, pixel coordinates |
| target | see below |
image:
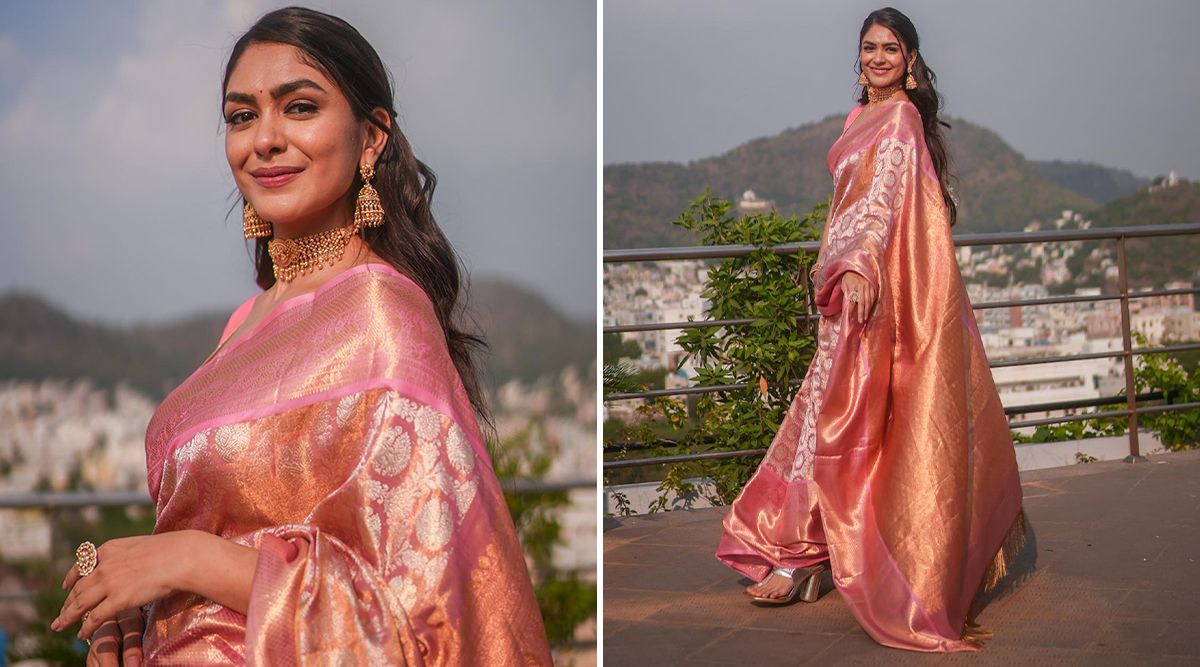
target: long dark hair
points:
(410, 239)
(925, 96)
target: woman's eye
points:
(302, 107)
(239, 117)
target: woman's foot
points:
(775, 586)
(785, 585)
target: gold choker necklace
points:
(877, 95)
(298, 257)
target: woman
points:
(894, 465)
(321, 485)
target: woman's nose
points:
(269, 137)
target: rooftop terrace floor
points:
(1110, 576)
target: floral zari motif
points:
(382, 533)
(894, 462)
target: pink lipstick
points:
(274, 177)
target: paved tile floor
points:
(1109, 576)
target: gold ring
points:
(854, 297)
(85, 559)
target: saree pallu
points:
(337, 439)
(894, 462)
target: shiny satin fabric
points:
(337, 439)
(895, 460)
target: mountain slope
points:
(527, 339)
(1098, 183)
(999, 189)
(1153, 261)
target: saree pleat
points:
(337, 439)
(895, 461)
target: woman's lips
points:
(274, 177)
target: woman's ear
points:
(376, 139)
(912, 58)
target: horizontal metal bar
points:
(1051, 359)
(682, 458)
(1093, 234)
(531, 486)
(977, 239)
(982, 305)
(1079, 403)
(690, 324)
(1181, 347)
(1137, 351)
(626, 446)
(688, 458)
(1051, 300)
(1045, 301)
(1124, 412)
(681, 391)
(1150, 409)
(703, 252)
(72, 499)
(1008, 363)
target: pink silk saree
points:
(895, 460)
(336, 438)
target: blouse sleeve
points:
(413, 560)
(859, 235)
(236, 319)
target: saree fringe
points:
(1013, 541)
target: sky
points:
(1111, 82)
(115, 188)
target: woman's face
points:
(881, 58)
(292, 140)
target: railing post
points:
(1135, 455)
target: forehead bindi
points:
(263, 67)
(878, 35)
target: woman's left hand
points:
(130, 572)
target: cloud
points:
(116, 186)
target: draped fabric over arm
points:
(895, 461)
(337, 440)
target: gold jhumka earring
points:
(910, 83)
(368, 210)
(862, 79)
(253, 226)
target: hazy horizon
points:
(1098, 81)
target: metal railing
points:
(54, 502)
(1123, 295)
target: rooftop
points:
(1110, 576)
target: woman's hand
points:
(122, 637)
(859, 294)
(130, 572)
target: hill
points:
(1154, 261)
(999, 189)
(1098, 183)
(527, 338)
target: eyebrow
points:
(276, 92)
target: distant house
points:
(750, 204)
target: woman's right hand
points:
(859, 294)
(118, 642)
